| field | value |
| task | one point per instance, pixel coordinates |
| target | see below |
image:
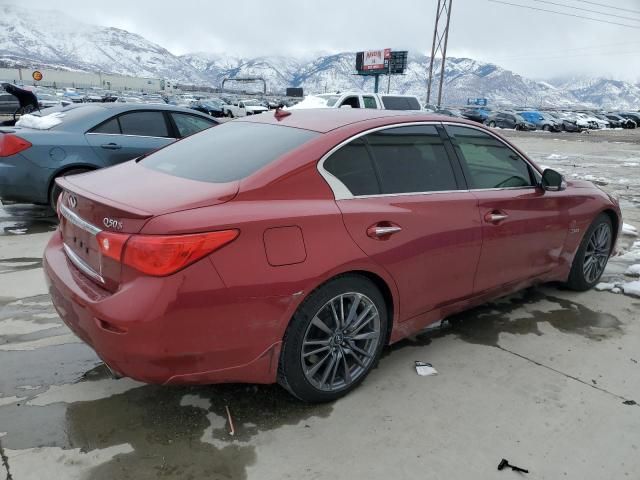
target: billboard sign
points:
(373, 60)
(482, 102)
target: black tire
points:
(291, 372)
(55, 190)
(492, 124)
(578, 280)
(546, 128)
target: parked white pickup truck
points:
(242, 108)
(380, 101)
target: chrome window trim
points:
(341, 192)
(78, 221)
(127, 135)
(82, 265)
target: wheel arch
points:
(615, 223)
(64, 170)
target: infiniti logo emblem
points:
(72, 201)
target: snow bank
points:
(310, 101)
(632, 288)
(555, 156)
(633, 270)
(40, 123)
(629, 230)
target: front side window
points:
(146, 124)
(489, 162)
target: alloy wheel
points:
(597, 253)
(340, 342)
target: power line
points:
(589, 47)
(566, 14)
(588, 10)
(608, 6)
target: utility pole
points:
(439, 44)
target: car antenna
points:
(280, 113)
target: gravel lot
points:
(547, 379)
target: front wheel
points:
(334, 339)
(592, 255)
(546, 128)
(492, 124)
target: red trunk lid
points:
(122, 199)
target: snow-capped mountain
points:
(50, 39)
(603, 92)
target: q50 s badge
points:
(112, 223)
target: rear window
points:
(229, 152)
(400, 103)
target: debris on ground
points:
(232, 430)
(425, 369)
(504, 463)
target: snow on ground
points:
(629, 230)
(633, 270)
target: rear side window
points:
(352, 165)
(146, 124)
(110, 126)
(229, 152)
(190, 124)
(489, 162)
(411, 160)
(400, 103)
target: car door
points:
(409, 212)
(523, 226)
(130, 135)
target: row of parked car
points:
(548, 120)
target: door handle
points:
(382, 231)
(111, 146)
(495, 216)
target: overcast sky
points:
(533, 43)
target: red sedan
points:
(293, 247)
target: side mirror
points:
(552, 181)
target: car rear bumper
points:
(22, 180)
(172, 330)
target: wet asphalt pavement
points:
(546, 378)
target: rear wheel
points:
(492, 124)
(334, 339)
(592, 255)
(546, 128)
(55, 190)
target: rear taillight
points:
(161, 255)
(12, 144)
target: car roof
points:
(323, 120)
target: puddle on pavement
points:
(21, 219)
(166, 436)
(18, 264)
(518, 315)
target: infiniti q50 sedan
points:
(292, 247)
(68, 140)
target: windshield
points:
(228, 152)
